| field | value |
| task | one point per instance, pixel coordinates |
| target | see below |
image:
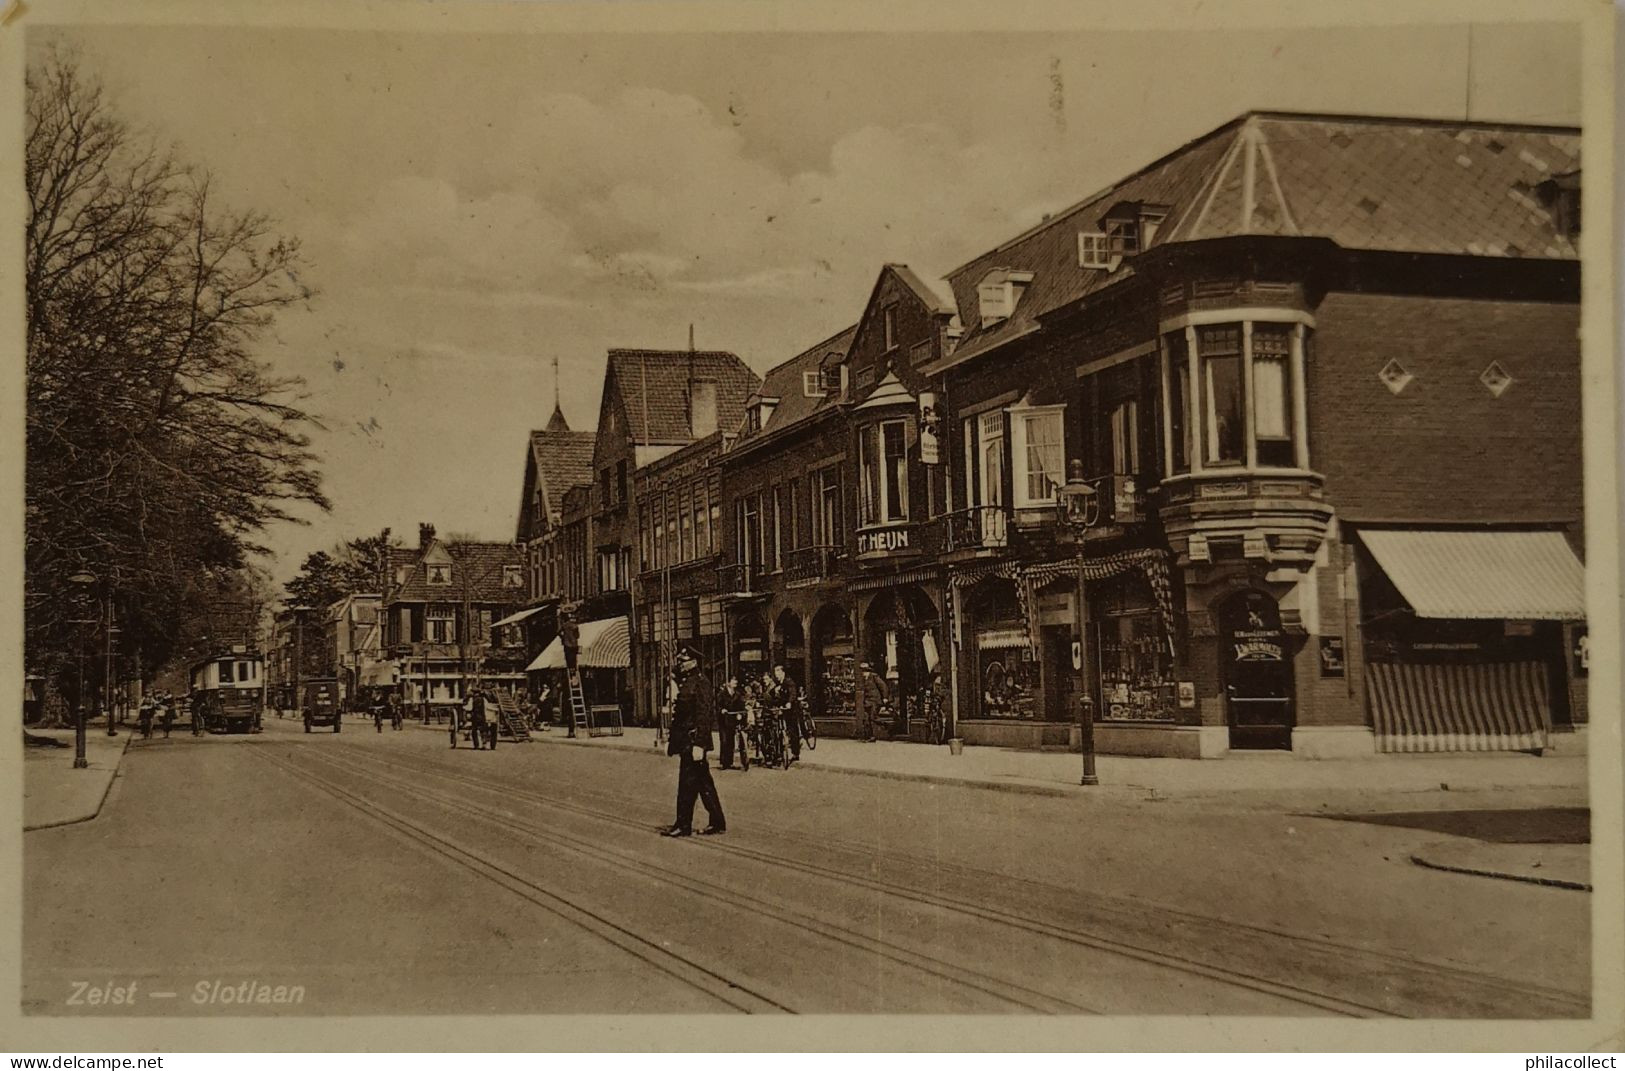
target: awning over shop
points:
(1519, 576)
(380, 674)
(1002, 639)
(605, 644)
(514, 619)
(1486, 706)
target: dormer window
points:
(812, 384)
(760, 413)
(513, 576)
(439, 575)
(1125, 230)
(999, 292)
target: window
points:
(620, 481)
(778, 527)
(225, 672)
(764, 530)
(749, 530)
(1037, 449)
(1223, 395)
(793, 514)
(1272, 394)
(883, 465)
(673, 547)
(702, 529)
(685, 514)
(513, 576)
(1125, 433)
(645, 538)
(439, 575)
(888, 317)
(1094, 250)
(812, 384)
(716, 526)
(1179, 392)
(442, 622)
(826, 507)
(609, 570)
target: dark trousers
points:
(728, 721)
(477, 735)
(694, 782)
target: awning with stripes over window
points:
(1485, 706)
(604, 644)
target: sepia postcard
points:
(949, 527)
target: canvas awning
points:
(1425, 707)
(379, 674)
(514, 619)
(1482, 575)
(604, 644)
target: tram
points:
(228, 692)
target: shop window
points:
(1224, 412)
(1130, 654)
(883, 468)
(1038, 452)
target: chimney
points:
(425, 536)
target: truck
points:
(321, 703)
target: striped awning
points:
(1487, 706)
(1518, 576)
(895, 580)
(514, 619)
(1001, 639)
(604, 644)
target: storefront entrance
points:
(1257, 673)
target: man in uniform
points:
(691, 727)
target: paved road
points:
(363, 873)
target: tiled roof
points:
(935, 298)
(784, 382)
(477, 565)
(1399, 185)
(662, 377)
(563, 461)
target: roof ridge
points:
(1405, 120)
(782, 365)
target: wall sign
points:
(883, 541)
(1582, 651)
(1187, 695)
(930, 427)
(1331, 656)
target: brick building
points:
(440, 606)
(1324, 376)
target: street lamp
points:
(1080, 509)
(84, 582)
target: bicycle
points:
(806, 727)
(772, 739)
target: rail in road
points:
(1310, 974)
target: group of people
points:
(163, 708)
(776, 690)
(483, 720)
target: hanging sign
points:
(930, 428)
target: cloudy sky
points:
(474, 205)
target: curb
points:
(108, 791)
(1482, 872)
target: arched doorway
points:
(901, 631)
(790, 646)
(833, 670)
(1257, 672)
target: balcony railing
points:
(976, 528)
(812, 563)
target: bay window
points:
(1038, 454)
(883, 469)
(1246, 406)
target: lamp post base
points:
(81, 764)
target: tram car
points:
(228, 692)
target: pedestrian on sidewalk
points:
(475, 707)
(730, 715)
(783, 694)
(693, 721)
(167, 715)
(871, 700)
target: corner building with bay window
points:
(1323, 376)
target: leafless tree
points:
(159, 444)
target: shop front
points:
(833, 671)
(901, 641)
(1470, 638)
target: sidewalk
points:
(54, 793)
(1566, 866)
(1273, 780)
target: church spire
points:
(557, 421)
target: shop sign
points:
(1331, 656)
(1187, 695)
(1582, 651)
(1077, 655)
(1519, 628)
(883, 541)
(1257, 645)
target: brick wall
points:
(1445, 448)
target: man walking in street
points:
(730, 714)
(476, 719)
(871, 700)
(690, 739)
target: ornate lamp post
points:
(1080, 510)
(83, 582)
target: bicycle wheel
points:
(809, 732)
(744, 750)
(784, 743)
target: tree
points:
(159, 445)
(353, 566)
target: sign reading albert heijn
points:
(876, 541)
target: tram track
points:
(1015, 996)
(1401, 978)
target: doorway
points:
(1257, 673)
